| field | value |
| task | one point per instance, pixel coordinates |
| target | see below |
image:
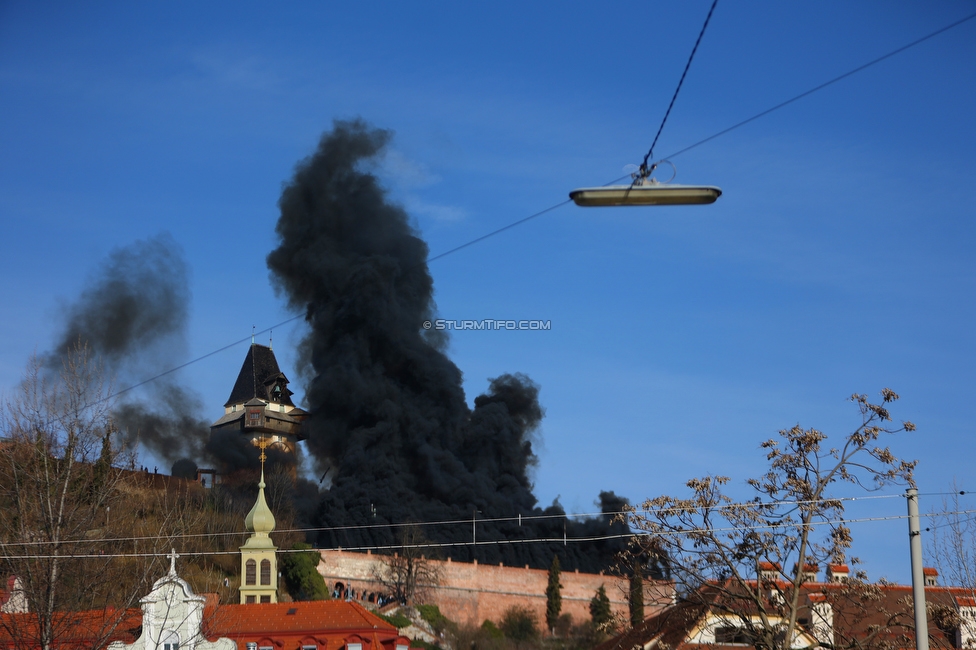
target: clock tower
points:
(260, 405)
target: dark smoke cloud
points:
(133, 315)
(136, 301)
(389, 419)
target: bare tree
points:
(408, 575)
(65, 504)
(749, 558)
(952, 549)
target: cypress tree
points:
(636, 599)
(600, 611)
(554, 598)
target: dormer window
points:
(732, 635)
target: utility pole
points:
(918, 580)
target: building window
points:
(250, 568)
(354, 646)
(732, 636)
(249, 600)
(170, 640)
(265, 572)
(265, 599)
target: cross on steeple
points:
(263, 444)
(172, 561)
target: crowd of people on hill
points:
(343, 592)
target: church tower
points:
(259, 566)
(260, 405)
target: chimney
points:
(838, 573)
(966, 632)
(821, 619)
(810, 572)
(769, 571)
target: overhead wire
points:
(825, 84)
(562, 203)
(650, 152)
(465, 522)
(480, 542)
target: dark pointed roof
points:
(258, 376)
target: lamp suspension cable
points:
(644, 171)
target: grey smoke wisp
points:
(133, 313)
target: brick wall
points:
(471, 593)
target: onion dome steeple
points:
(259, 565)
(260, 520)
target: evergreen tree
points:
(301, 577)
(636, 599)
(600, 611)
(554, 598)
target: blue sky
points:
(839, 258)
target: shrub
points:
(519, 624)
(432, 614)
(399, 620)
(300, 574)
(491, 630)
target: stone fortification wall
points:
(471, 593)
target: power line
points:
(825, 84)
(498, 542)
(462, 522)
(500, 230)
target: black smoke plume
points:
(133, 314)
(388, 417)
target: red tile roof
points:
(319, 616)
(877, 614)
(329, 623)
(73, 629)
